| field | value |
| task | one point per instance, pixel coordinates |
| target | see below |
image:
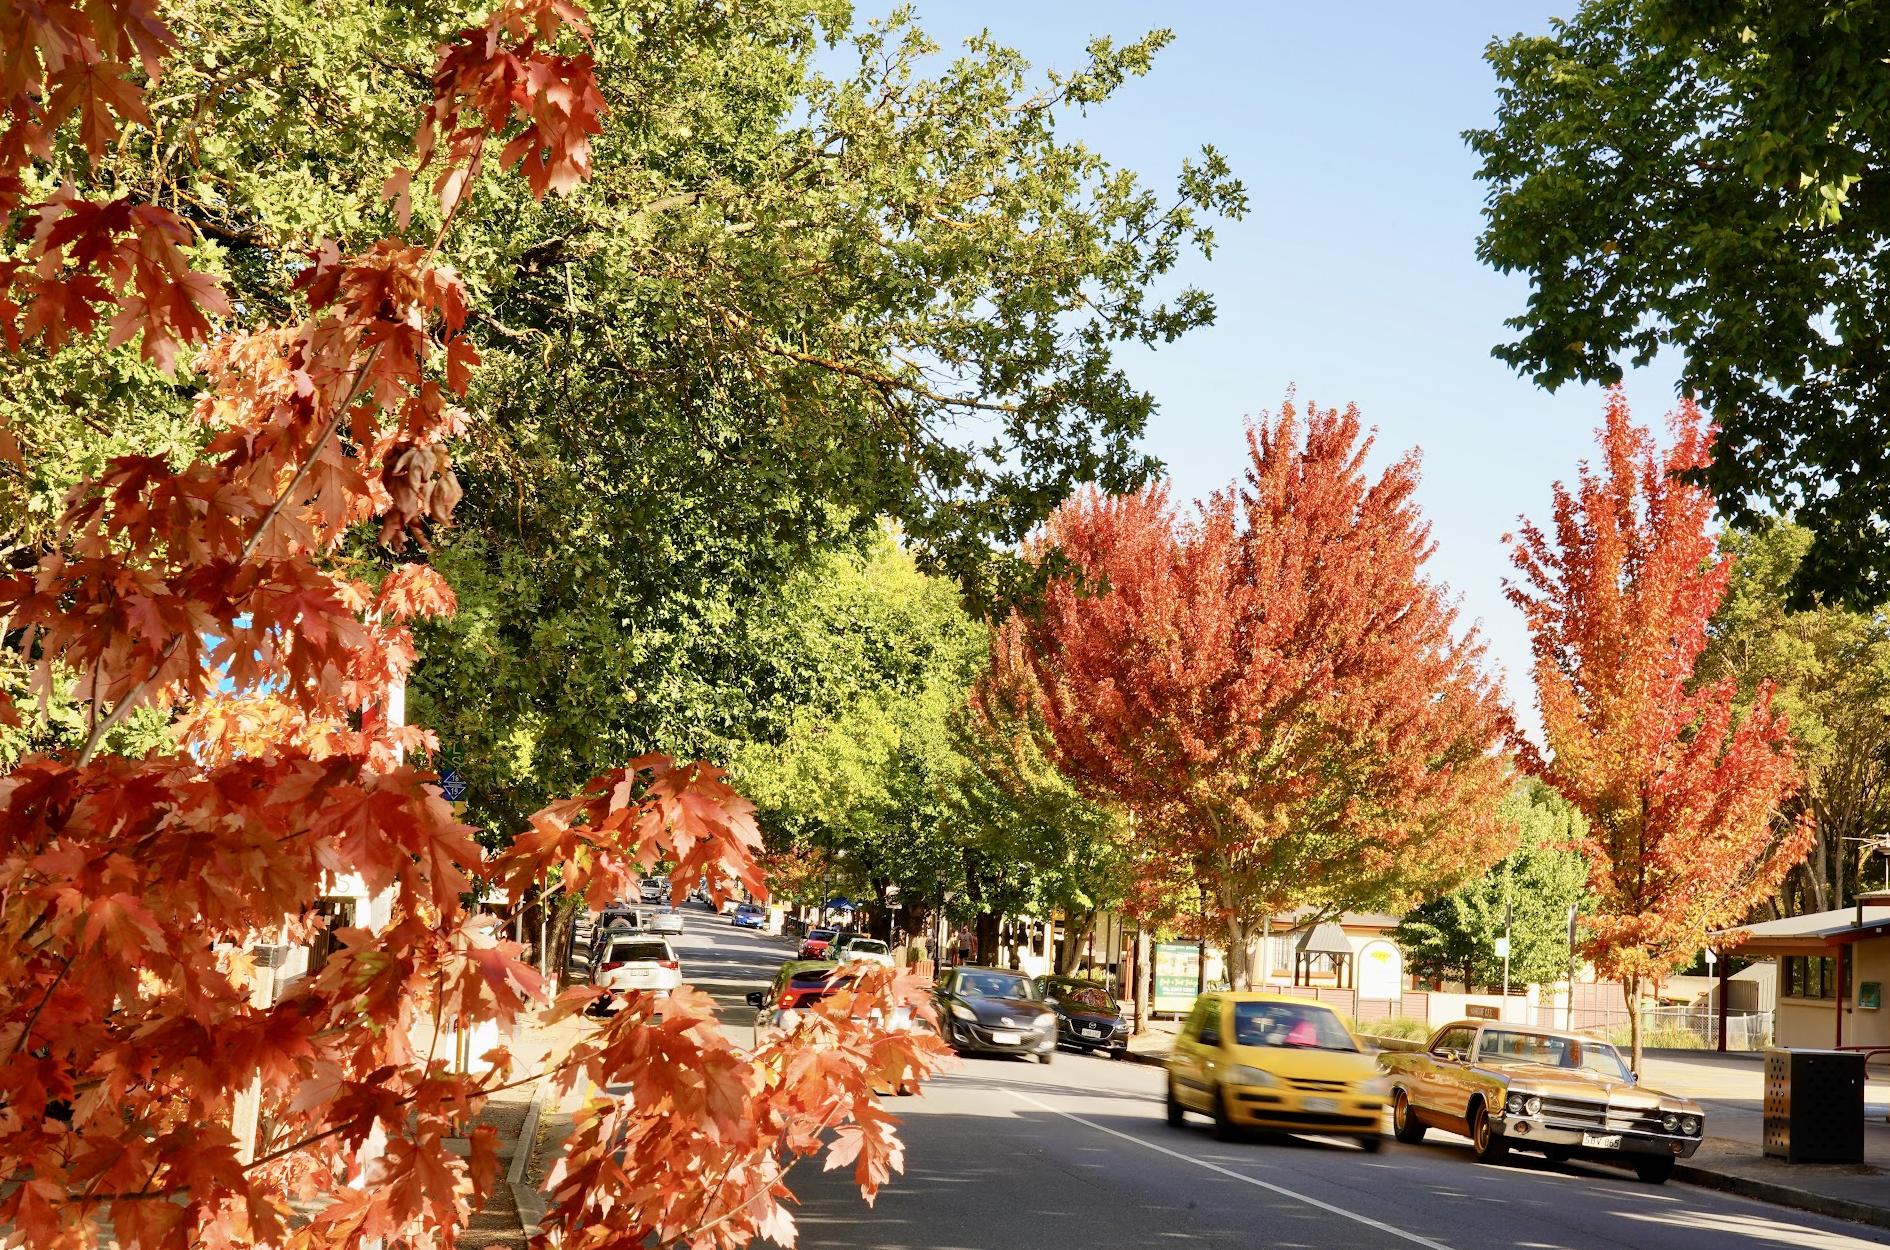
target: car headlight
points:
(963, 1012)
(1240, 1074)
(1514, 1104)
(1048, 1020)
(1671, 1122)
(1690, 1125)
(1532, 1105)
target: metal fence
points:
(1671, 1028)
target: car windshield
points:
(821, 935)
(994, 985)
(1289, 1024)
(1514, 1046)
(625, 952)
(1090, 996)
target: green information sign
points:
(1177, 975)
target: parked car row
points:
(845, 947)
(1253, 1060)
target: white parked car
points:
(667, 922)
(632, 962)
(851, 948)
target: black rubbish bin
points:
(1814, 1105)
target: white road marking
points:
(1284, 1192)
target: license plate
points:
(1602, 1141)
(1091, 1032)
(1006, 1039)
(1320, 1106)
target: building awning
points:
(1812, 934)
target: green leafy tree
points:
(825, 274)
(877, 656)
(1710, 178)
(884, 772)
(1454, 937)
(1830, 670)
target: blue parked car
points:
(751, 916)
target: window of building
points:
(338, 913)
(1814, 977)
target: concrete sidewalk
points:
(1732, 1089)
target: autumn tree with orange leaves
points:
(231, 591)
(1681, 794)
(1272, 686)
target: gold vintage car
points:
(1511, 1087)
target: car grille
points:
(1319, 1087)
(1601, 1116)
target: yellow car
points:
(1268, 1061)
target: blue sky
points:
(1355, 275)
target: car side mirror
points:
(1444, 1052)
(754, 998)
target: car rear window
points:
(1289, 1024)
(870, 947)
(622, 951)
(818, 976)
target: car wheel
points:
(1654, 1169)
(1223, 1123)
(1489, 1144)
(1175, 1110)
(1405, 1126)
(1372, 1142)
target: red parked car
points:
(815, 944)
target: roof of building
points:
(1815, 931)
(1328, 939)
(1293, 920)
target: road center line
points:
(1239, 1176)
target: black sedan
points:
(1087, 1017)
(990, 1011)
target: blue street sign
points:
(452, 786)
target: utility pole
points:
(1570, 1024)
(1502, 948)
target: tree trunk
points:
(881, 924)
(1239, 958)
(1633, 988)
(985, 927)
(1074, 934)
(1144, 978)
(544, 937)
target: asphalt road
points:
(1005, 1154)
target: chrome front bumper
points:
(1523, 1131)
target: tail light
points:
(668, 965)
(615, 963)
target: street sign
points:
(1177, 967)
(1380, 970)
(1502, 947)
(452, 786)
